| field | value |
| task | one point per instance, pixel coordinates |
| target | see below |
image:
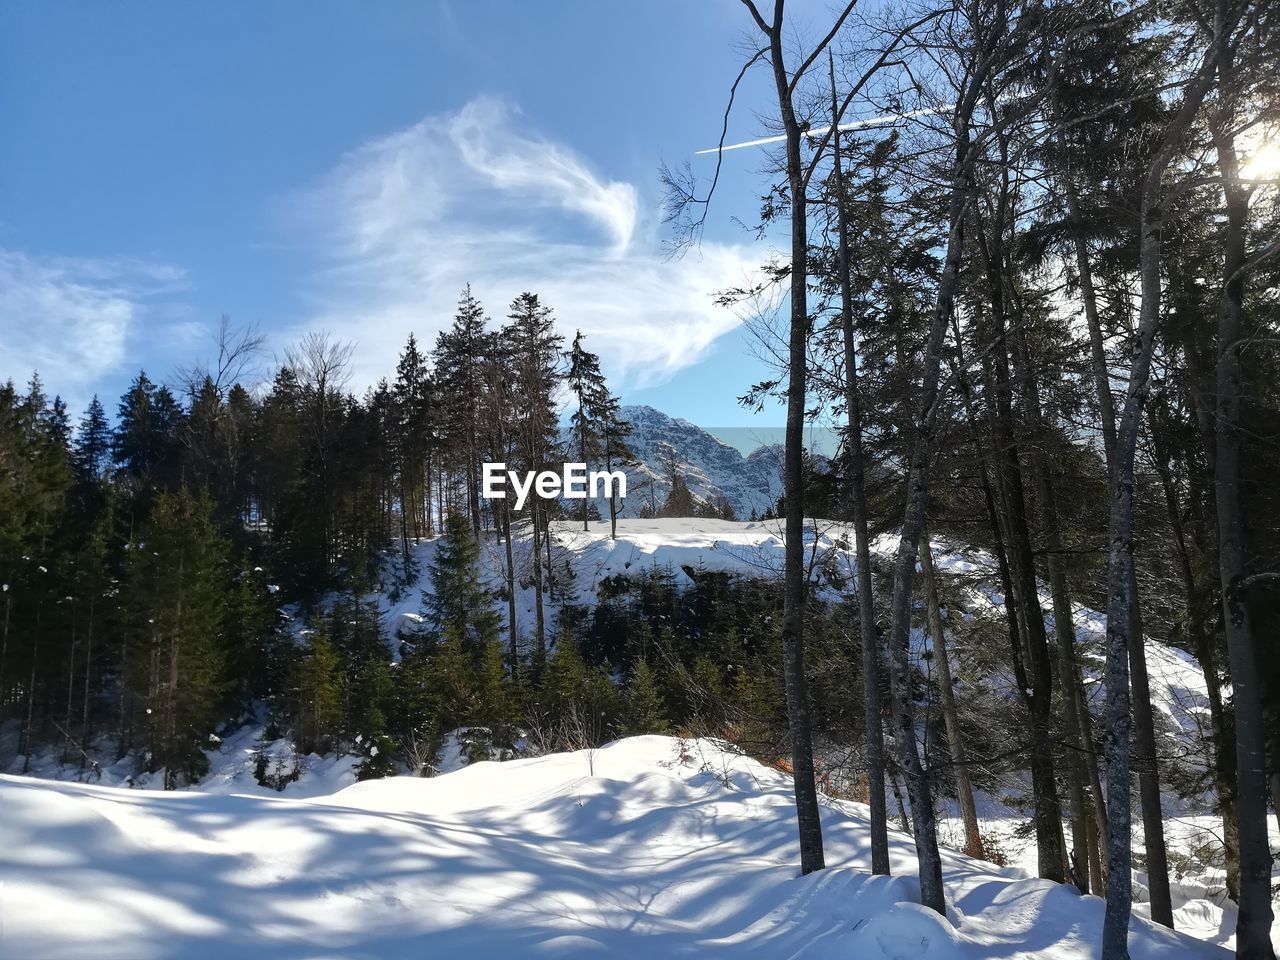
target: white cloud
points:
(403, 222)
(70, 319)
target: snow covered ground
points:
(650, 847)
(231, 864)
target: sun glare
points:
(1263, 163)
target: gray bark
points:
(1253, 923)
(808, 815)
(947, 698)
(1121, 600)
(858, 502)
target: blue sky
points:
(348, 166)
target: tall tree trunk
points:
(1253, 923)
(512, 626)
(88, 665)
(71, 686)
(31, 692)
(1121, 579)
(924, 826)
(1224, 750)
(1148, 766)
(793, 604)
(1063, 617)
(947, 697)
(539, 623)
(4, 647)
(861, 526)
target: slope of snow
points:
(650, 847)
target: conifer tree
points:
(587, 388)
(460, 367)
(316, 694)
(458, 603)
(176, 590)
(535, 353)
(92, 448)
(642, 708)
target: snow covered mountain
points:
(710, 467)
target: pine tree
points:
(316, 693)
(92, 449)
(535, 353)
(642, 708)
(586, 425)
(176, 591)
(458, 602)
(460, 358)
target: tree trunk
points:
(858, 503)
(512, 626)
(71, 686)
(1224, 751)
(1121, 580)
(539, 624)
(1253, 923)
(793, 604)
(88, 665)
(947, 697)
(31, 692)
(1037, 694)
(1063, 617)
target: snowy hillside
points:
(649, 847)
(710, 466)
(755, 549)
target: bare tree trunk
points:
(71, 686)
(861, 526)
(947, 696)
(539, 624)
(1253, 923)
(31, 692)
(88, 665)
(808, 815)
(512, 626)
(1224, 751)
(1121, 580)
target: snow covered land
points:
(649, 847)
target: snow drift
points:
(650, 847)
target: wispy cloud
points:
(71, 319)
(403, 222)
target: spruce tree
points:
(316, 693)
(458, 602)
(176, 592)
(642, 708)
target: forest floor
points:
(649, 847)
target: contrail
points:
(816, 134)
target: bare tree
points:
(239, 352)
(322, 366)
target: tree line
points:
(144, 561)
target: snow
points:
(384, 868)
(650, 847)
